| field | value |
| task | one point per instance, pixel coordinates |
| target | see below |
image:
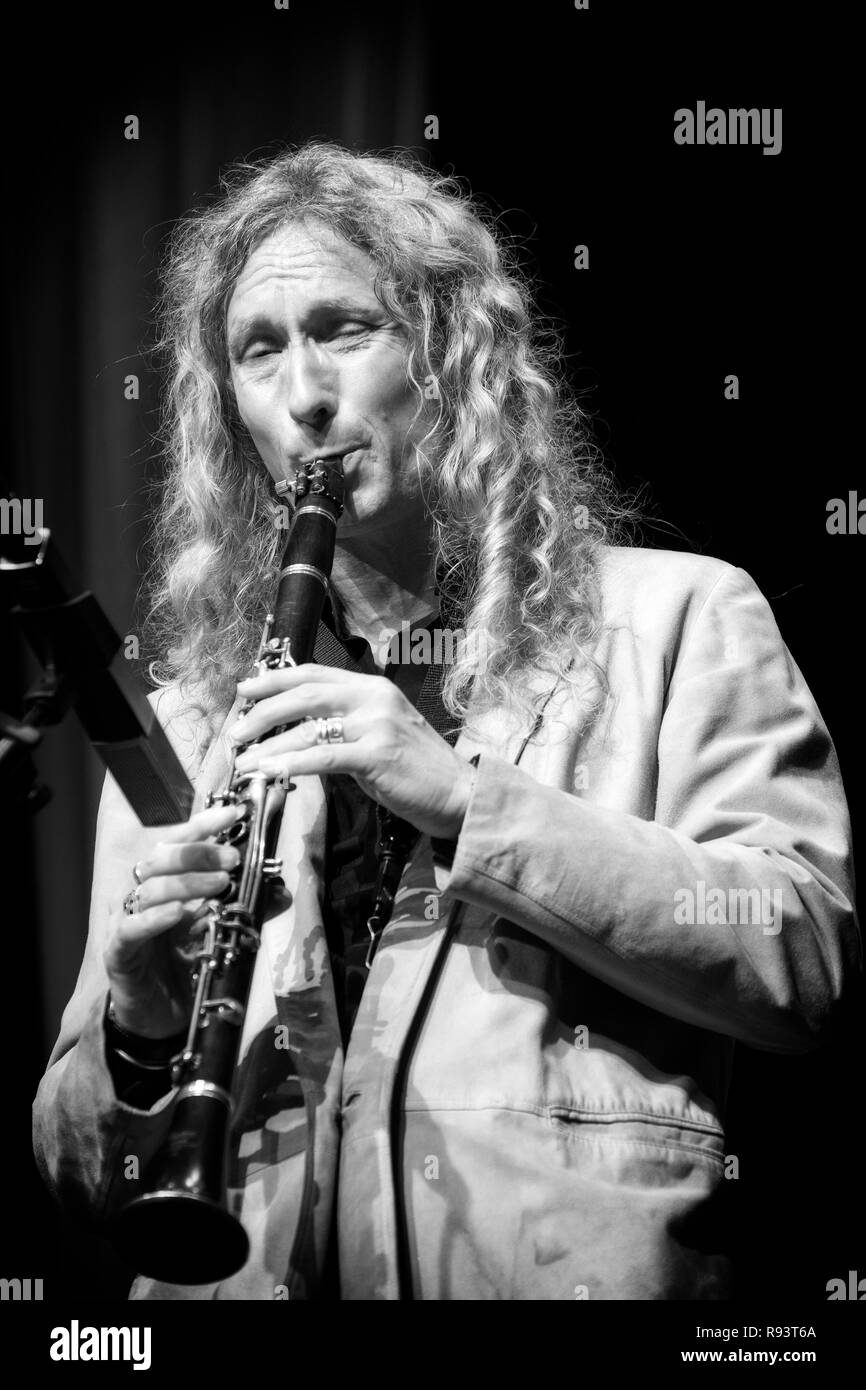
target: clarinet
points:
(178, 1227)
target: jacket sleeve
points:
(84, 1136)
(732, 908)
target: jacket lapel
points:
(392, 1008)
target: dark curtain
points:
(561, 120)
(85, 309)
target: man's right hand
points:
(149, 954)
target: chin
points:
(350, 524)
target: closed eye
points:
(257, 346)
(261, 345)
(349, 329)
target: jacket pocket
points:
(653, 1135)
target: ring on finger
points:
(132, 902)
(136, 873)
(330, 730)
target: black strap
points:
(397, 837)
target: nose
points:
(311, 387)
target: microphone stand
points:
(79, 652)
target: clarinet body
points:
(178, 1228)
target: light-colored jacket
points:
(532, 1101)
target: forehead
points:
(300, 263)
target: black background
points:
(703, 262)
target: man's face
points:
(319, 368)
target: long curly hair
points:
(517, 493)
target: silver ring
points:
(132, 902)
(329, 730)
(136, 873)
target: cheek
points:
(255, 411)
(394, 398)
(259, 422)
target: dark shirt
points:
(352, 821)
(350, 852)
